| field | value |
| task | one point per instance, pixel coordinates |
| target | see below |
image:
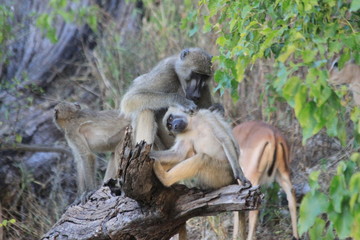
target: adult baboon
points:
(182, 79)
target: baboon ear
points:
(184, 53)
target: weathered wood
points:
(153, 211)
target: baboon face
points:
(65, 110)
(175, 121)
(194, 86)
(194, 69)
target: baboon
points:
(265, 157)
(349, 74)
(86, 132)
(182, 79)
(204, 148)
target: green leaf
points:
(309, 55)
(245, 11)
(342, 132)
(233, 23)
(355, 157)
(329, 235)
(300, 99)
(289, 50)
(194, 30)
(316, 231)
(313, 181)
(67, 16)
(355, 5)
(221, 41)
(290, 89)
(307, 120)
(311, 206)
(337, 191)
(354, 184)
(92, 21)
(342, 221)
(51, 35)
(18, 138)
(355, 230)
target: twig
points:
(33, 148)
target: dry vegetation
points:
(106, 74)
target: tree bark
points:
(142, 208)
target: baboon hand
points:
(188, 106)
(217, 107)
(244, 181)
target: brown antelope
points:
(349, 74)
(264, 157)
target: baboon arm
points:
(174, 155)
(184, 170)
(168, 156)
(140, 101)
(85, 161)
(234, 163)
(232, 154)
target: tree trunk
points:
(142, 208)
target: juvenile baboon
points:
(349, 74)
(264, 157)
(181, 80)
(204, 149)
(87, 132)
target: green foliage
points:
(270, 206)
(6, 33)
(300, 36)
(70, 12)
(340, 206)
(5, 222)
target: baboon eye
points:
(169, 125)
(170, 118)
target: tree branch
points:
(33, 148)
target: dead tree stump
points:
(142, 208)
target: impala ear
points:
(335, 64)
